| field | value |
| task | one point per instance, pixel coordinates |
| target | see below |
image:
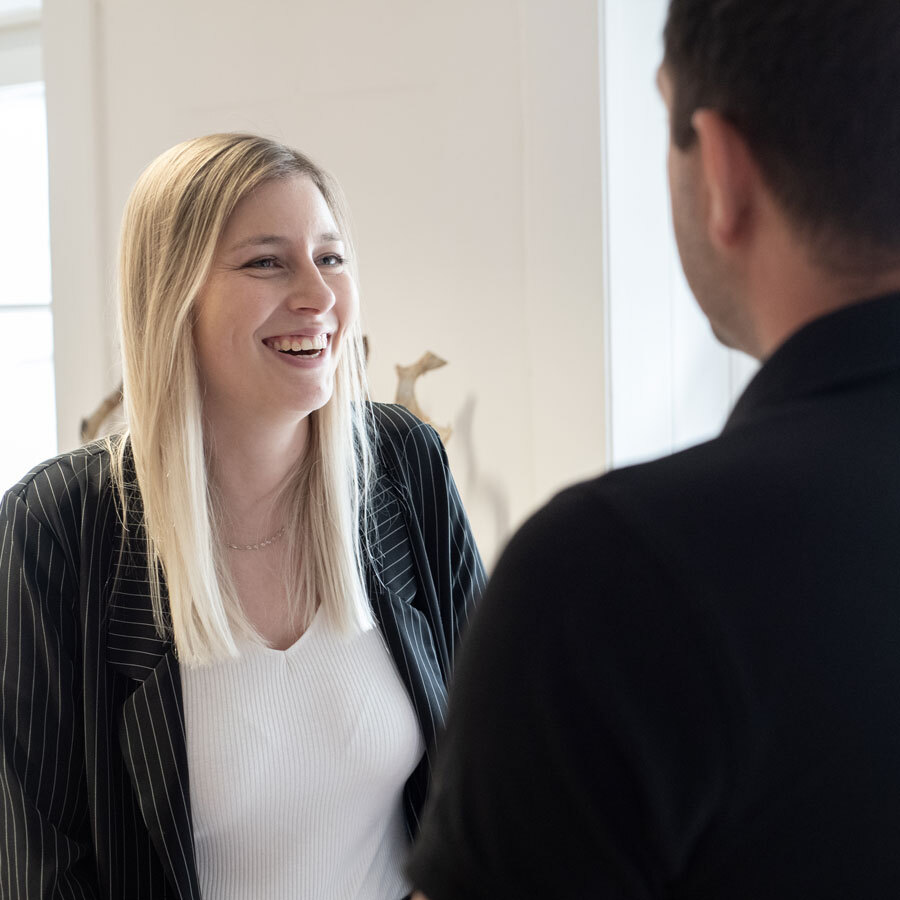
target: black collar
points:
(855, 343)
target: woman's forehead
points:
(287, 206)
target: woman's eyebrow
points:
(256, 240)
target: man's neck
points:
(788, 288)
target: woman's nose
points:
(309, 290)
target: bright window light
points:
(10, 7)
(27, 397)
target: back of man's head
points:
(814, 88)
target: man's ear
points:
(730, 176)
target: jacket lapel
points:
(397, 585)
(151, 736)
(151, 727)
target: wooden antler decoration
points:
(406, 389)
(90, 427)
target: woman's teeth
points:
(310, 346)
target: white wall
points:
(467, 137)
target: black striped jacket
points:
(94, 796)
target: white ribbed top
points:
(297, 762)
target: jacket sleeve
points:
(44, 823)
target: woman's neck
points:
(248, 466)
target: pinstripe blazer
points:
(94, 785)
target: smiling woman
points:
(241, 615)
(221, 251)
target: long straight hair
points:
(172, 224)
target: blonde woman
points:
(226, 635)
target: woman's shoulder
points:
(58, 488)
(410, 453)
(399, 433)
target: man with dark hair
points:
(684, 679)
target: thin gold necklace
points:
(260, 545)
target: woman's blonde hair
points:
(173, 221)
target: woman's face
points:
(272, 315)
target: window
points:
(19, 8)
(27, 396)
(670, 383)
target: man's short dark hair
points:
(814, 88)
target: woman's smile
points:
(301, 350)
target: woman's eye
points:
(332, 260)
(266, 262)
